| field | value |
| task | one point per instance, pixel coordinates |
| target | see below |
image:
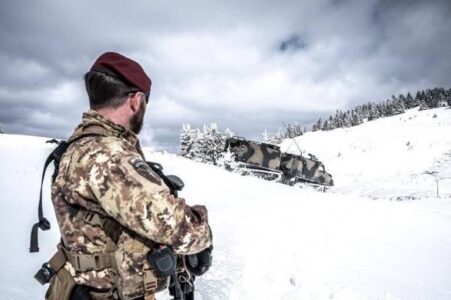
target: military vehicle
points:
(268, 162)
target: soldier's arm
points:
(131, 193)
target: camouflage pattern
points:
(293, 168)
(257, 154)
(305, 169)
(107, 174)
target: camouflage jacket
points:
(105, 172)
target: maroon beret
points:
(123, 68)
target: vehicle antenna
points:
(292, 139)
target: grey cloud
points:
(293, 43)
(248, 65)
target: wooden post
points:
(436, 180)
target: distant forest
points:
(431, 98)
(206, 145)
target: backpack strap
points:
(55, 156)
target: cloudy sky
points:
(247, 65)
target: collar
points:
(93, 122)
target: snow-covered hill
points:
(396, 157)
(278, 242)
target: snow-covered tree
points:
(373, 112)
(187, 136)
(326, 125)
(355, 119)
(273, 139)
(213, 143)
(293, 130)
(318, 125)
(197, 149)
(204, 145)
(398, 107)
(423, 105)
(436, 97)
(409, 102)
(267, 137)
(331, 124)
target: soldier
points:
(111, 207)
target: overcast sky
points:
(246, 65)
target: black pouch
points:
(163, 261)
(81, 292)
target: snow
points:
(386, 158)
(278, 242)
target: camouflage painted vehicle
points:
(298, 168)
(267, 161)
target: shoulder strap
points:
(112, 228)
(55, 156)
(174, 183)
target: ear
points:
(134, 102)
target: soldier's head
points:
(119, 88)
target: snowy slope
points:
(399, 156)
(278, 242)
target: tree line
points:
(431, 98)
(204, 145)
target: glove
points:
(198, 264)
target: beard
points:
(137, 120)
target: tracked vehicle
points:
(268, 162)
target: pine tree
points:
(266, 137)
(330, 124)
(226, 135)
(409, 102)
(279, 136)
(186, 141)
(430, 98)
(362, 111)
(275, 139)
(293, 130)
(196, 151)
(373, 112)
(421, 98)
(217, 142)
(338, 119)
(389, 107)
(347, 119)
(398, 107)
(436, 97)
(326, 125)
(382, 109)
(318, 125)
(402, 99)
(206, 145)
(448, 97)
(423, 105)
(355, 119)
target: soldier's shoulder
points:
(102, 145)
(112, 144)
